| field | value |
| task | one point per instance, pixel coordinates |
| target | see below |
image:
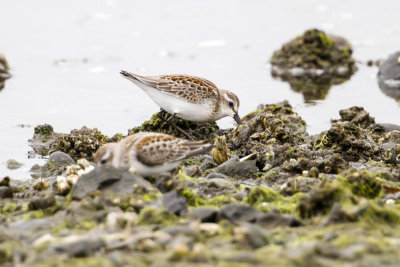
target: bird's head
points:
(230, 105)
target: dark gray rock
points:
(216, 175)
(388, 127)
(61, 158)
(239, 213)
(204, 214)
(80, 248)
(238, 169)
(175, 204)
(192, 171)
(175, 230)
(110, 180)
(207, 165)
(389, 76)
(251, 235)
(272, 219)
(41, 203)
(5, 192)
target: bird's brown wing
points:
(156, 149)
(183, 86)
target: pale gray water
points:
(228, 42)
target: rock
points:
(175, 204)
(273, 219)
(192, 171)
(41, 203)
(389, 76)
(109, 180)
(81, 143)
(238, 169)
(61, 158)
(250, 235)
(313, 62)
(12, 164)
(82, 247)
(42, 139)
(5, 181)
(121, 220)
(337, 215)
(5, 192)
(239, 213)
(207, 165)
(166, 183)
(209, 229)
(40, 185)
(204, 214)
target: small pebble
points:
(390, 202)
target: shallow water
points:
(66, 57)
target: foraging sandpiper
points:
(149, 153)
(188, 97)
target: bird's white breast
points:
(173, 104)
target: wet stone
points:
(273, 219)
(61, 158)
(239, 213)
(175, 204)
(80, 248)
(41, 203)
(389, 76)
(6, 192)
(204, 214)
(109, 180)
(238, 169)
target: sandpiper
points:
(149, 153)
(188, 97)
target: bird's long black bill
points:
(237, 119)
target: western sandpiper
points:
(149, 153)
(188, 97)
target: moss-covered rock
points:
(363, 183)
(313, 62)
(199, 131)
(82, 143)
(314, 49)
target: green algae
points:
(363, 183)
(152, 215)
(267, 199)
(36, 214)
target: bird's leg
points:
(172, 124)
(169, 120)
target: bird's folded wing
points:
(162, 150)
(183, 86)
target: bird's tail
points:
(197, 148)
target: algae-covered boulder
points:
(42, 139)
(389, 76)
(313, 62)
(82, 143)
(199, 131)
(351, 136)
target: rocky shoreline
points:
(268, 194)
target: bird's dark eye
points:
(103, 161)
(230, 104)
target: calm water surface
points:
(66, 57)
